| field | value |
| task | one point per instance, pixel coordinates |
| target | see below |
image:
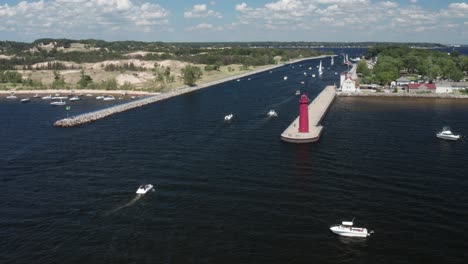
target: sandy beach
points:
(173, 92)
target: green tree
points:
(85, 80)
(191, 74)
(362, 68)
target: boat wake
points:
(130, 203)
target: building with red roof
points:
(421, 87)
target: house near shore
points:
(402, 81)
(450, 87)
(347, 84)
(421, 88)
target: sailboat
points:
(320, 72)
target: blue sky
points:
(237, 20)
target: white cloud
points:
(205, 27)
(62, 17)
(201, 11)
(413, 1)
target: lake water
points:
(235, 193)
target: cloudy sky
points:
(441, 21)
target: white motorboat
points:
(285, 78)
(447, 134)
(89, 95)
(310, 68)
(11, 96)
(74, 98)
(60, 97)
(305, 73)
(109, 98)
(272, 113)
(47, 97)
(297, 92)
(144, 188)
(100, 97)
(313, 75)
(61, 102)
(228, 117)
(346, 229)
(36, 96)
(25, 100)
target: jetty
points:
(96, 115)
(306, 127)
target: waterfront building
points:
(348, 84)
(421, 88)
(402, 81)
(450, 87)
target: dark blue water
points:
(235, 193)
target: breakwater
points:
(403, 95)
(96, 115)
(316, 111)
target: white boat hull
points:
(447, 137)
(144, 189)
(350, 232)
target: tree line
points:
(394, 60)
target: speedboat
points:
(305, 73)
(298, 92)
(100, 97)
(447, 134)
(228, 117)
(89, 95)
(74, 98)
(285, 78)
(346, 229)
(272, 113)
(109, 98)
(313, 75)
(144, 188)
(25, 100)
(61, 102)
(36, 96)
(47, 97)
(11, 96)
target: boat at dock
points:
(109, 98)
(61, 102)
(47, 97)
(25, 100)
(346, 229)
(12, 96)
(447, 134)
(144, 188)
(60, 97)
(74, 98)
(36, 96)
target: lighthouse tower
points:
(304, 114)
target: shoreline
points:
(403, 95)
(184, 87)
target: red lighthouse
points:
(304, 114)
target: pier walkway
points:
(317, 110)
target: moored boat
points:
(61, 102)
(109, 98)
(47, 97)
(12, 96)
(25, 100)
(74, 98)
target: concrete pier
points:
(317, 110)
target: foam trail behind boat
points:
(131, 202)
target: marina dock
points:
(316, 111)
